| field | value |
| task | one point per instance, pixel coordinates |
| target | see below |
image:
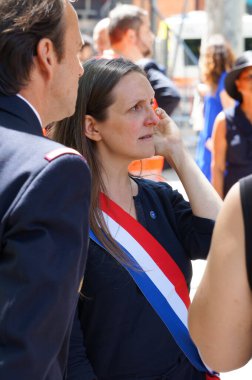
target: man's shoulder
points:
(25, 155)
(148, 63)
(61, 151)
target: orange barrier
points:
(150, 168)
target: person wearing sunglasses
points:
(232, 131)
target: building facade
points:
(90, 11)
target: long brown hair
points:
(217, 58)
(94, 97)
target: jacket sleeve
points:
(43, 259)
(79, 367)
(166, 93)
(195, 232)
(192, 232)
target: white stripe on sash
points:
(149, 266)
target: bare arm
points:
(220, 315)
(219, 149)
(204, 201)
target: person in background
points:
(87, 51)
(101, 36)
(232, 132)
(216, 59)
(220, 317)
(44, 189)
(131, 37)
(125, 325)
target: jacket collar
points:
(18, 108)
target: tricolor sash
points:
(156, 274)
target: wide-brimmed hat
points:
(245, 60)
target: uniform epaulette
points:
(60, 152)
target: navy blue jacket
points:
(44, 209)
(122, 337)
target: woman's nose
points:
(152, 119)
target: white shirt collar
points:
(34, 110)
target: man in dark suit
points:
(44, 189)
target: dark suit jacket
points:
(44, 206)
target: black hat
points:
(245, 60)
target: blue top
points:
(239, 146)
(122, 336)
(212, 106)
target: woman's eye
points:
(136, 107)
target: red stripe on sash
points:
(150, 244)
(209, 377)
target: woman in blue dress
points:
(215, 62)
(232, 131)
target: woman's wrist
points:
(177, 156)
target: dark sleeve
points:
(79, 367)
(43, 260)
(177, 225)
(195, 233)
(166, 93)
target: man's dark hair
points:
(122, 18)
(23, 23)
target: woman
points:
(220, 317)
(232, 133)
(134, 223)
(216, 60)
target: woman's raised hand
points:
(167, 137)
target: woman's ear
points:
(90, 128)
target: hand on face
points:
(167, 136)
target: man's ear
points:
(90, 128)
(130, 35)
(46, 56)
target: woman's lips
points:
(145, 137)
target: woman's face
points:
(244, 83)
(127, 133)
